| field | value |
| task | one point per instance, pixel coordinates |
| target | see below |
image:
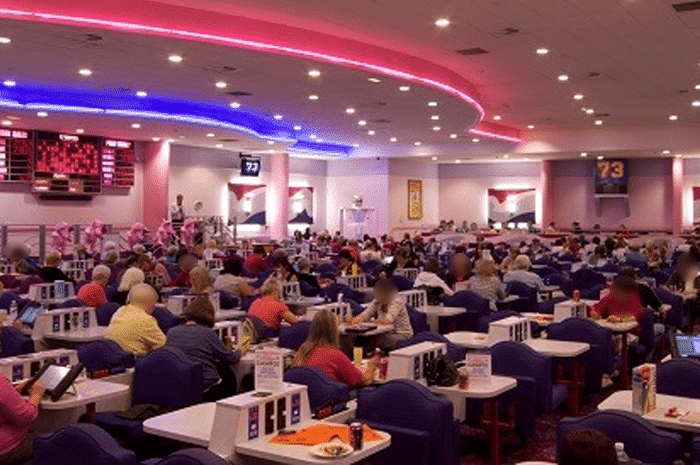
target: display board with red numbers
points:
(118, 163)
(16, 155)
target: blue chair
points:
(6, 299)
(307, 289)
(70, 303)
(455, 352)
(293, 336)
(262, 277)
(419, 321)
(586, 278)
(599, 359)
(675, 318)
(510, 358)
(104, 313)
(150, 374)
(111, 291)
(103, 358)
(566, 284)
(544, 271)
(166, 319)
(332, 291)
(528, 293)
(695, 452)
(642, 440)
(679, 377)
(402, 283)
(609, 267)
(265, 330)
(355, 307)
(421, 424)
(189, 457)
(14, 342)
(475, 305)
(593, 292)
(326, 268)
(321, 388)
(80, 444)
(227, 301)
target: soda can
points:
(356, 435)
(576, 296)
(383, 368)
(463, 378)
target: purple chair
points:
(332, 291)
(227, 301)
(14, 342)
(695, 452)
(293, 336)
(421, 424)
(515, 359)
(111, 291)
(189, 457)
(27, 282)
(6, 299)
(150, 374)
(475, 305)
(675, 318)
(455, 352)
(566, 284)
(104, 313)
(322, 389)
(80, 444)
(679, 377)
(8, 281)
(642, 440)
(103, 358)
(419, 321)
(166, 319)
(402, 283)
(586, 278)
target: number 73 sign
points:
(611, 172)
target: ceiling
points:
(636, 62)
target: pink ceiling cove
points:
(144, 17)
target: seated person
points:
(269, 309)
(133, 327)
(16, 418)
(551, 228)
(18, 256)
(153, 268)
(646, 294)
(522, 273)
(387, 308)
(430, 279)
(586, 447)
(599, 257)
(200, 344)
(321, 350)
(284, 270)
(685, 279)
(486, 283)
(348, 266)
(186, 262)
(508, 263)
(230, 280)
(459, 269)
(621, 304)
(201, 281)
(51, 272)
(130, 278)
(255, 263)
(92, 294)
(306, 276)
(170, 258)
(212, 251)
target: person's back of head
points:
(101, 274)
(131, 277)
(323, 332)
(143, 296)
(432, 265)
(201, 279)
(259, 250)
(53, 259)
(233, 267)
(587, 447)
(522, 262)
(200, 311)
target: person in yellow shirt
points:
(133, 327)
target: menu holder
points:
(478, 366)
(644, 388)
(269, 369)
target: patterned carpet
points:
(541, 447)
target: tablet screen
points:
(52, 376)
(29, 314)
(688, 346)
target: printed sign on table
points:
(479, 368)
(269, 369)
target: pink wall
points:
(156, 174)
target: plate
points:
(331, 450)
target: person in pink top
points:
(268, 308)
(321, 350)
(16, 417)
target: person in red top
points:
(16, 417)
(256, 261)
(321, 350)
(621, 304)
(92, 294)
(186, 263)
(268, 308)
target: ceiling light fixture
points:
(678, 155)
(442, 22)
(590, 111)
(314, 73)
(600, 157)
(235, 105)
(453, 136)
(673, 117)
(6, 122)
(696, 103)
(584, 154)
(355, 145)
(136, 126)
(578, 97)
(405, 88)
(497, 118)
(297, 128)
(666, 152)
(417, 143)
(542, 51)
(350, 111)
(362, 122)
(220, 84)
(435, 117)
(563, 77)
(278, 117)
(436, 128)
(313, 97)
(270, 142)
(506, 156)
(141, 93)
(9, 83)
(458, 161)
(5, 40)
(432, 104)
(531, 126)
(80, 131)
(312, 136)
(42, 114)
(598, 122)
(175, 59)
(393, 139)
(697, 86)
(211, 134)
(218, 146)
(475, 140)
(85, 72)
(374, 80)
(371, 133)
(434, 158)
(155, 139)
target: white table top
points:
(561, 349)
(622, 327)
(622, 400)
(262, 448)
(304, 301)
(222, 315)
(380, 329)
(548, 289)
(439, 310)
(542, 319)
(191, 425)
(83, 335)
(88, 392)
(469, 339)
(499, 385)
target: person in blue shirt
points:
(522, 274)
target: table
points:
(622, 400)
(435, 312)
(380, 329)
(222, 315)
(191, 425)
(548, 291)
(564, 349)
(490, 393)
(623, 329)
(87, 393)
(304, 302)
(469, 339)
(81, 336)
(542, 319)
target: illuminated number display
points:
(250, 166)
(118, 163)
(611, 176)
(611, 169)
(16, 155)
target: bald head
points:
(144, 297)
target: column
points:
(546, 174)
(156, 174)
(677, 194)
(277, 208)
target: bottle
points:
(340, 297)
(13, 310)
(622, 456)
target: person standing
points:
(177, 213)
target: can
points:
(576, 296)
(383, 368)
(356, 435)
(463, 377)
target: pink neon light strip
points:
(492, 135)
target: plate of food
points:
(331, 450)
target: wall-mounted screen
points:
(611, 176)
(16, 155)
(250, 166)
(118, 163)
(67, 164)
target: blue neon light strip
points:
(59, 99)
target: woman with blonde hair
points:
(201, 280)
(321, 350)
(130, 278)
(486, 283)
(269, 309)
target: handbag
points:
(441, 371)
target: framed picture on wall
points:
(415, 199)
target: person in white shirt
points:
(429, 277)
(522, 273)
(177, 212)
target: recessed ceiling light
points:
(600, 157)
(141, 93)
(404, 88)
(531, 126)
(175, 58)
(371, 133)
(393, 139)
(355, 145)
(350, 111)
(506, 156)
(673, 117)
(235, 105)
(453, 136)
(319, 140)
(416, 143)
(42, 114)
(85, 72)
(314, 73)
(5, 40)
(155, 139)
(584, 108)
(362, 122)
(527, 159)
(435, 117)
(497, 117)
(79, 131)
(598, 122)
(297, 128)
(434, 158)
(6, 122)
(9, 83)
(696, 103)
(666, 152)
(278, 117)
(136, 125)
(270, 142)
(578, 97)
(312, 136)
(584, 154)
(313, 97)
(542, 51)
(458, 161)
(678, 155)
(218, 146)
(436, 128)
(220, 84)
(590, 111)
(442, 22)
(475, 140)
(374, 80)
(211, 134)
(432, 104)
(697, 86)
(563, 77)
